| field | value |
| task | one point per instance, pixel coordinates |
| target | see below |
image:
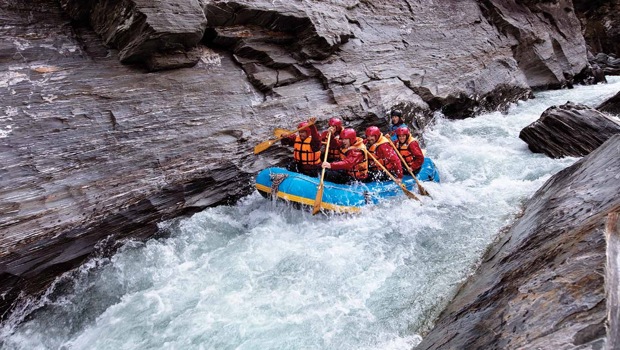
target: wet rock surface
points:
(611, 106)
(569, 130)
(542, 285)
(609, 64)
(101, 138)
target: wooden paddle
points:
(402, 186)
(266, 144)
(277, 132)
(319, 191)
(420, 188)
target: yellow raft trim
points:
(310, 202)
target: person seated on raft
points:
(397, 122)
(306, 149)
(379, 146)
(410, 149)
(335, 127)
(353, 163)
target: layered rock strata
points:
(601, 25)
(161, 34)
(569, 130)
(608, 64)
(612, 280)
(611, 106)
(92, 148)
(542, 286)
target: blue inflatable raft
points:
(301, 189)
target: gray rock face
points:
(611, 106)
(499, 50)
(92, 149)
(141, 29)
(601, 25)
(569, 130)
(541, 286)
(608, 64)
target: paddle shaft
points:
(420, 188)
(319, 191)
(402, 186)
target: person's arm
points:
(418, 156)
(353, 158)
(389, 154)
(289, 140)
(398, 167)
(315, 143)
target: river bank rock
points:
(541, 286)
(101, 140)
(569, 130)
(609, 64)
(611, 106)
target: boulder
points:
(609, 64)
(592, 74)
(569, 130)
(145, 30)
(611, 106)
(542, 286)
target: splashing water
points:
(260, 275)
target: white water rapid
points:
(263, 276)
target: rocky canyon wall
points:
(116, 115)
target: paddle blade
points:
(423, 191)
(278, 132)
(263, 146)
(409, 193)
(318, 200)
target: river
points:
(262, 275)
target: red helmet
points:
(403, 130)
(335, 122)
(348, 134)
(373, 131)
(302, 125)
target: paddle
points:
(402, 186)
(420, 188)
(266, 144)
(277, 132)
(319, 191)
